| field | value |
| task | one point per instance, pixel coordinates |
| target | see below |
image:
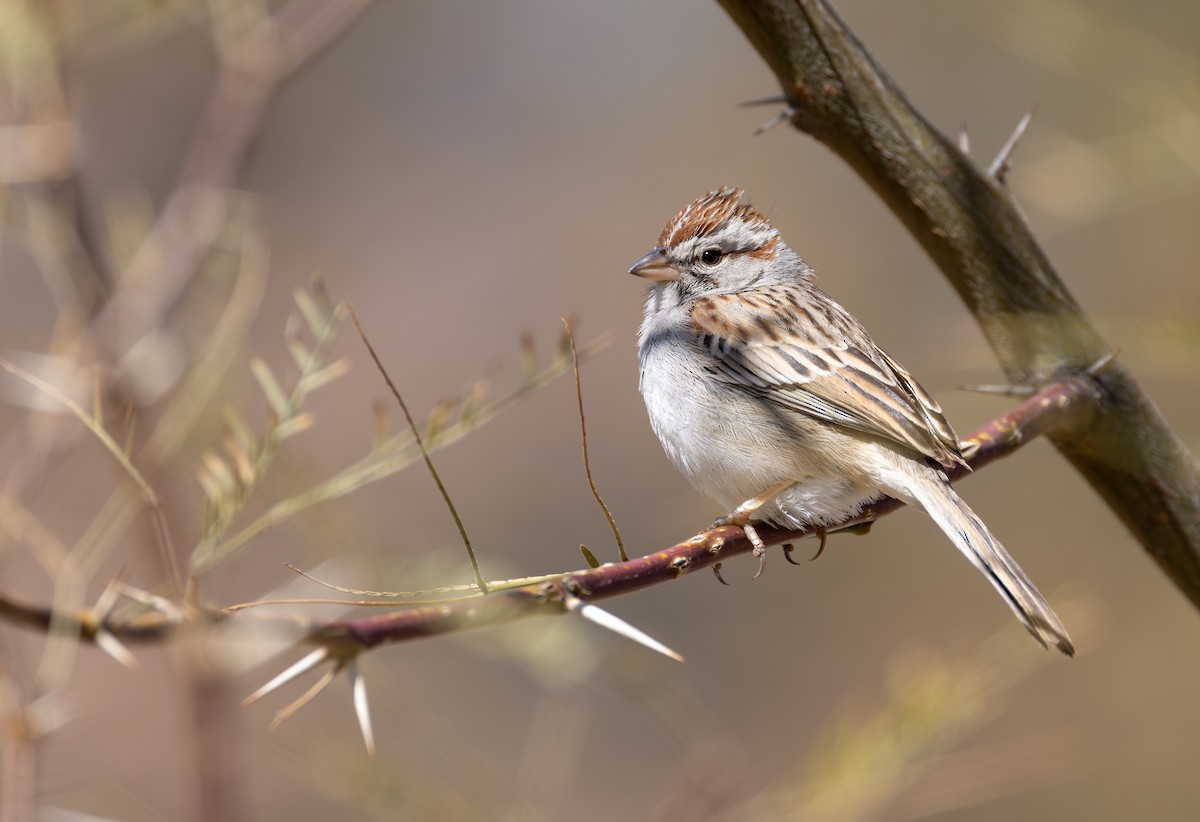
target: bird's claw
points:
(822, 534)
(762, 563)
(787, 553)
(760, 549)
(717, 573)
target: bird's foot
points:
(741, 517)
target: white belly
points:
(731, 449)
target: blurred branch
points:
(969, 225)
(1063, 404)
(122, 312)
(250, 74)
(252, 70)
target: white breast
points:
(729, 446)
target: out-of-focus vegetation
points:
(174, 172)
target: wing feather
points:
(830, 369)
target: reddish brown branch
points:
(1067, 403)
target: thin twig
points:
(95, 425)
(587, 466)
(462, 531)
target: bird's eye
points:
(711, 256)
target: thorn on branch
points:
(781, 117)
(999, 168)
(300, 668)
(772, 100)
(308, 696)
(1102, 363)
(112, 646)
(358, 687)
(617, 625)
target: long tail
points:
(975, 541)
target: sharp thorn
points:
(774, 121)
(107, 599)
(358, 687)
(307, 697)
(774, 99)
(618, 626)
(303, 666)
(1099, 365)
(161, 604)
(112, 646)
(998, 170)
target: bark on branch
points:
(967, 222)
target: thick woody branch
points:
(1071, 402)
(967, 222)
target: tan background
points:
(465, 171)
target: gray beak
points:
(655, 267)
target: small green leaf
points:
(588, 556)
(326, 375)
(278, 400)
(243, 463)
(210, 484)
(293, 426)
(300, 353)
(317, 319)
(473, 402)
(438, 419)
(380, 424)
(240, 431)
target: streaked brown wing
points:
(812, 356)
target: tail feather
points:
(975, 541)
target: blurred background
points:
(468, 172)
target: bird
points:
(772, 399)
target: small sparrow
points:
(772, 399)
